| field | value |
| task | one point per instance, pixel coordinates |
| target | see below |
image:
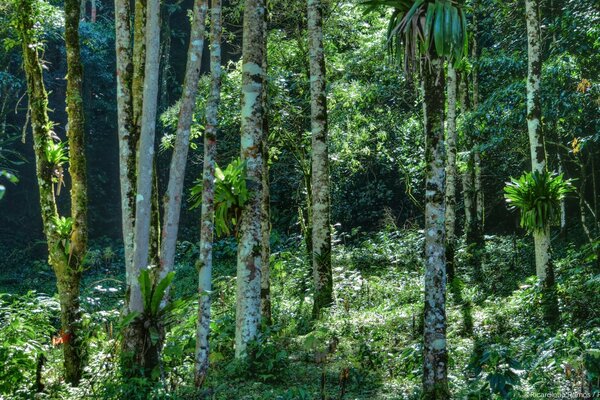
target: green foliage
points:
(496, 366)
(420, 25)
(11, 178)
(25, 329)
(229, 197)
(537, 196)
(153, 294)
(56, 153)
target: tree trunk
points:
(137, 342)
(165, 58)
(534, 114)
(93, 12)
(249, 259)
(73, 349)
(321, 226)
(563, 201)
(172, 201)
(265, 285)
(208, 197)
(451, 171)
(477, 181)
(435, 357)
(65, 253)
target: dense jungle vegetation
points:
(299, 199)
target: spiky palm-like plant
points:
(537, 195)
(426, 32)
(417, 27)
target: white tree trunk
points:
(435, 378)
(145, 156)
(249, 258)
(208, 197)
(321, 227)
(172, 201)
(534, 124)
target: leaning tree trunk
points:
(451, 171)
(534, 125)
(172, 202)
(249, 258)
(265, 284)
(321, 227)
(435, 356)
(208, 197)
(65, 253)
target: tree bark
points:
(435, 356)
(265, 284)
(73, 349)
(249, 259)
(321, 226)
(451, 171)
(477, 180)
(172, 201)
(138, 345)
(65, 253)
(208, 197)
(534, 125)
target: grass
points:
(369, 345)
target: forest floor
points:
(367, 347)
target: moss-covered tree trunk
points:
(125, 123)
(66, 248)
(79, 203)
(435, 356)
(139, 349)
(321, 226)
(208, 193)
(249, 259)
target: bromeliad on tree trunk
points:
(66, 236)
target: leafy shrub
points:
(26, 324)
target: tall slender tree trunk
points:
(172, 201)
(73, 350)
(435, 356)
(65, 253)
(451, 170)
(321, 209)
(477, 179)
(534, 124)
(249, 259)
(126, 132)
(138, 343)
(265, 285)
(208, 197)
(542, 239)
(563, 202)
(165, 59)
